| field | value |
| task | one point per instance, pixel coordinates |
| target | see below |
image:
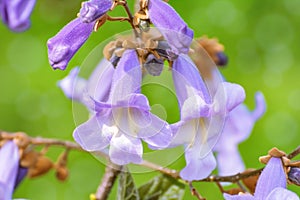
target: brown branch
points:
(294, 153)
(169, 172)
(124, 4)
(111, 173)
(233, 179)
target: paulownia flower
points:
(124, 119)
(237, 128)
(202, 117)
(16, 13)
(271, 185)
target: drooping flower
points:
(97, 86)
(271, 185)
(124, 119)
(175, 31)
(16, 13)
(94, 9)
(237, 128)
(202, 116)
(9, 159)
(63, 46)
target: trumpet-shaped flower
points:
(94, 9)
(63, 46)
(271, 185)
(16, 13)
(202, 116)
(9, 159)
(237, 128)
(178, 35)
(124, 119)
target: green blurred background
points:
(261, 41)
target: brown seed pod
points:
(42, 166)
(251, 181)
(61, 173)
(29, 158)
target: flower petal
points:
(125, 149)
(197, 167)
(260, 108)
(194, 107)
(184, 133)
(157, 134)
(99, 82)
(63, 46)
(15, 14)
(282, 194)
(9, 159)
(73, 86)
(187, 80)
(239, 197)
(228, 96)
(170, 24)
(127, 78)
(94, 134)
(230, 162)
(94, 9)
(266, 184)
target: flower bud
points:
(94, 9)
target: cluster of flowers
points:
(212, 116)
(121, 117)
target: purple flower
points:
(202, 116)
(124, 119)
(96, 87)
(94, 9)
(271, 185)
(178, 35)
(9, 159)
(15, 13)
(237, 128)
(63, 46)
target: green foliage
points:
(127, 189)
(161, 188)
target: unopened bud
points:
(294, 175)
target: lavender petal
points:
(174, 29)
(125, 149)
(266, 184)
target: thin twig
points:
(294, 153)
(111, 173)
(124, 4)
(194, 192)
(233, 179)
(170, 172)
